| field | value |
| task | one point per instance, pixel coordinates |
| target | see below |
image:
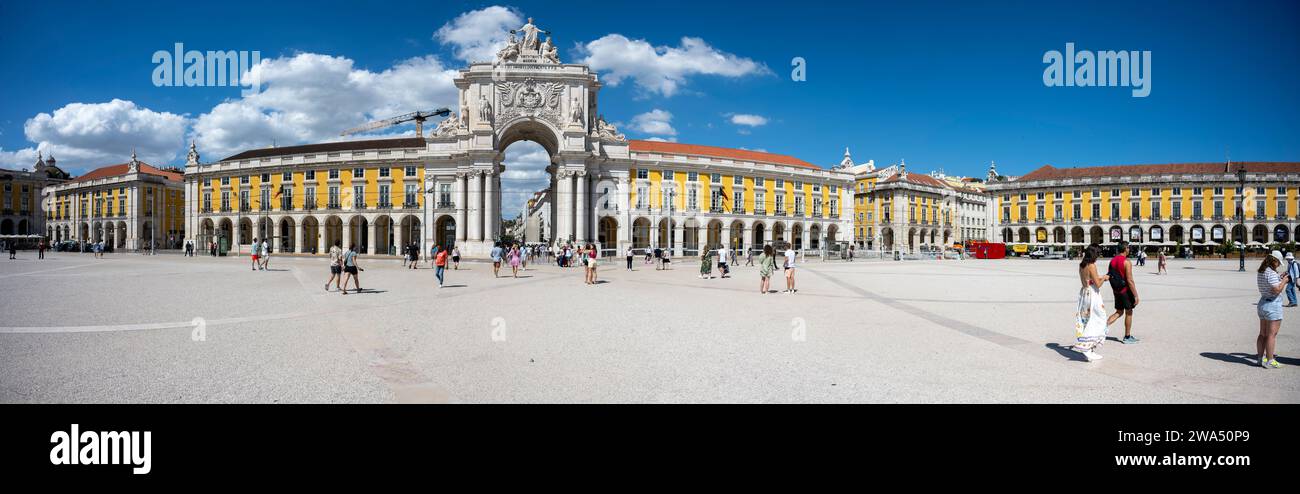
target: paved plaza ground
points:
(120, 329)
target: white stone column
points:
(321, 248)
(474, 207)
(460, 196)
(582, 229)
(491, 217)
(563, 206)
(347, 234)
(132, 219)
(679, 236)
(372, 242)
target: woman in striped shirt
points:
(1270, 283)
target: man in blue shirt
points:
(1293, 269)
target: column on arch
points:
(582, 211)
(491, 217)
(462, 202)
(474, 205)
(563, 205)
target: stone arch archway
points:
(641, 233)
(445, 232)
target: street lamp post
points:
(1241, 218)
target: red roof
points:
(1049, 172)
(718, 152)
(120, 169)
(919, 179)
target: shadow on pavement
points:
(1067, 352)
(1246, 358)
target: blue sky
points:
(948, 85)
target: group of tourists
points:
(260, 253)
(1091, 322)
(344, 268)
(512, 254)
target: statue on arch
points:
(576, 111)
(484, 109)
(550, 52)
(529, 32)
(511, 51)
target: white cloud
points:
(311, 97)
(662, 69)
(750, 120)
(656, 122)
(84, 136)
(525, 173)
(477, 35)
(660, 139)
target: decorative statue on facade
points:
(529, 48)
(484, 109)
(576, 115)
(549, 52)
(511, 51)
(451, 126)
(606, 130)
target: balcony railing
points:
(410, 205)
(286, 205)
(385, 205)
(334, 205)
(206, 209)
(225, 208)
(358, 204)
(309, 206)
(717, 209)
(1281, 216)
(1197, 217)
(780, 212)
(446, 205)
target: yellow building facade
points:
(1196, 205)
(132, 206)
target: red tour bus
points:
(987, 250)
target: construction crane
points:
(418, 117)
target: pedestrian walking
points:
(1292, 271)
(706, 264)
(1090, 326)
(350, 269)
(1270, 282)
(253, 252)
(724, 255)
(514, 258)
(1126, 296)
(496, 254)
(667, 259)
(336, 266)
(440, 266)
(13, 249)
(629, 258)
(265, 254)
(1162, 263)
(766, 265)
(749, 257)
(40, 249)
(659, 259)
(649, 254)
(789, 266)
(455, 257)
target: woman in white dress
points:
(1090, 319)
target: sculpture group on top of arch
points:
(528, 48)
